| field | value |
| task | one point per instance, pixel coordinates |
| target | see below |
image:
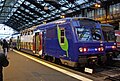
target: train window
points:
(75, 23)
(83, 34)
(109, 35)
(108, 32)
(25, 33)
(31, 32)
(62, 32)
(62, 35)
(28, 32)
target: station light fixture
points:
(44, 22)
(97, 5)
(62, 16)
(45, 8)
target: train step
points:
(117, 59)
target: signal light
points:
(83, 49)
(100, 49)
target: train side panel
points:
(57, 47)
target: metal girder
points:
(2, 6)
(26, 13)
(22, 16)
(53, 3)
(34, 11)
(11, 26)
(38, 5)
(31, 10)
(13, 21)
(21, 21)
(71, 1)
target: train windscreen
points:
(108, 33)
(87, 30)
(87, 34)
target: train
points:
(110, 43)
(13, 41)
(117, 34)
(73, 42)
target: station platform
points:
(25, 67)
(22, 68)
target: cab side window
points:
(62, 35)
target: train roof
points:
(16, 33)
(29, 29)
(63, 20)
(76, 18)
(107, 25)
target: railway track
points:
(104, 73)
(107, 73)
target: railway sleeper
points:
(113, 78)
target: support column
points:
(119, 25)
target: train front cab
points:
(72, 41)
(117, 34)
(88, 44)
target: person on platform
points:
(10, 44)
(5, 47)
(3, 63)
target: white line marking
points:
(76, 76)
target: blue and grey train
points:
(71, 41)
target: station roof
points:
(22, 14)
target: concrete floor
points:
(24, 69)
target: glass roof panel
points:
(19, 1)
(31, 10)
(27, 3)
(32, 6)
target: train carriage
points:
(71, 41)
(14, 41)
(117, 34)
(26, 40)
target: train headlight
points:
(113, 47)
(96, 49)
(114, 43)
(81, 49)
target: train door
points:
(43, 41)
(18, 42)
(37, 43)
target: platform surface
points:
(24, 69)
